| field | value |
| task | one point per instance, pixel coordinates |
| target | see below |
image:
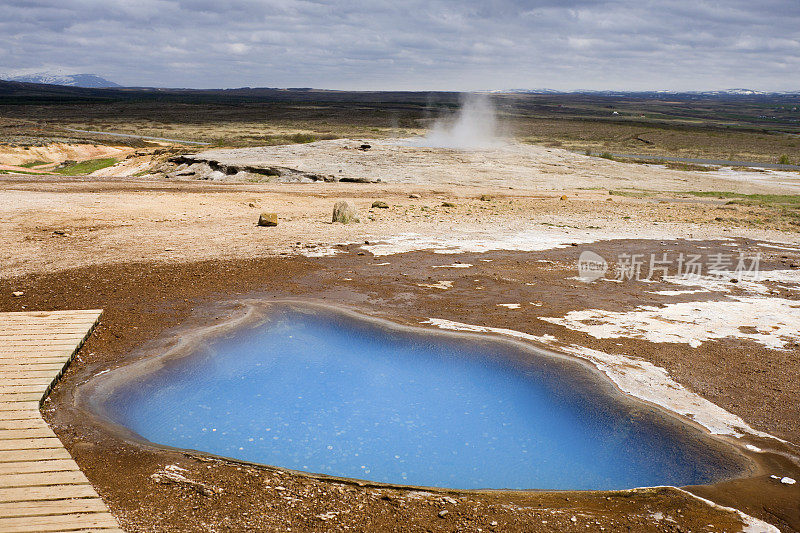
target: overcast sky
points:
(395, 44)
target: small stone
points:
(448, 204)
(486, 198)
(788, 481)
(268, 219)
(414, 195)
(17, 294)
(573, 519)
(443, 513)
(344, 212)
(563, 196)
(379, 204)
(493, 523)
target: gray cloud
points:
(434, 44)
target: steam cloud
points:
(475, 126)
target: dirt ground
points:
(158, 255)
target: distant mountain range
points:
(725, 92)
(91, 81)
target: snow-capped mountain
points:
(72, 80)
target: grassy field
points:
(747, 128)
(780, 211)
(86, 167)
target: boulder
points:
(268, 219)
(380, 204)
(344, 212)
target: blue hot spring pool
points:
(335, 394)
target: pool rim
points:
(243, 312)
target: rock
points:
(168, 477)
(215, 175)
(414, 195)
(268, 219)
(364, 147)
(563, 196)
(357, 180)
(443, 513)
(448, 204)
(344, 212)
(379, 204)
(17, 294)
(787, 481)
(486, 198)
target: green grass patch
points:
(33, 164)
(86, 167)
(20, 172)
(634, 193)
(750, 199)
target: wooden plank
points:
(28, 433)
(20, 397)
(49, 315)
(56, 492)
(44, 454)
(22, 342)
(51, 507)
(35, 346)
(28, 374)
(41, 487)
(78, 330)
(31, 366)
(25, 330)
(22, 389)
(25, 414)
(24, 385)
(20, 406)
(63, 522)
(17, 361)
(64, 353)
(34, 422)
(34, 479)
(23, 444)
(27, 467)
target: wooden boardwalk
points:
(41, 487)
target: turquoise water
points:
(332, 394)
